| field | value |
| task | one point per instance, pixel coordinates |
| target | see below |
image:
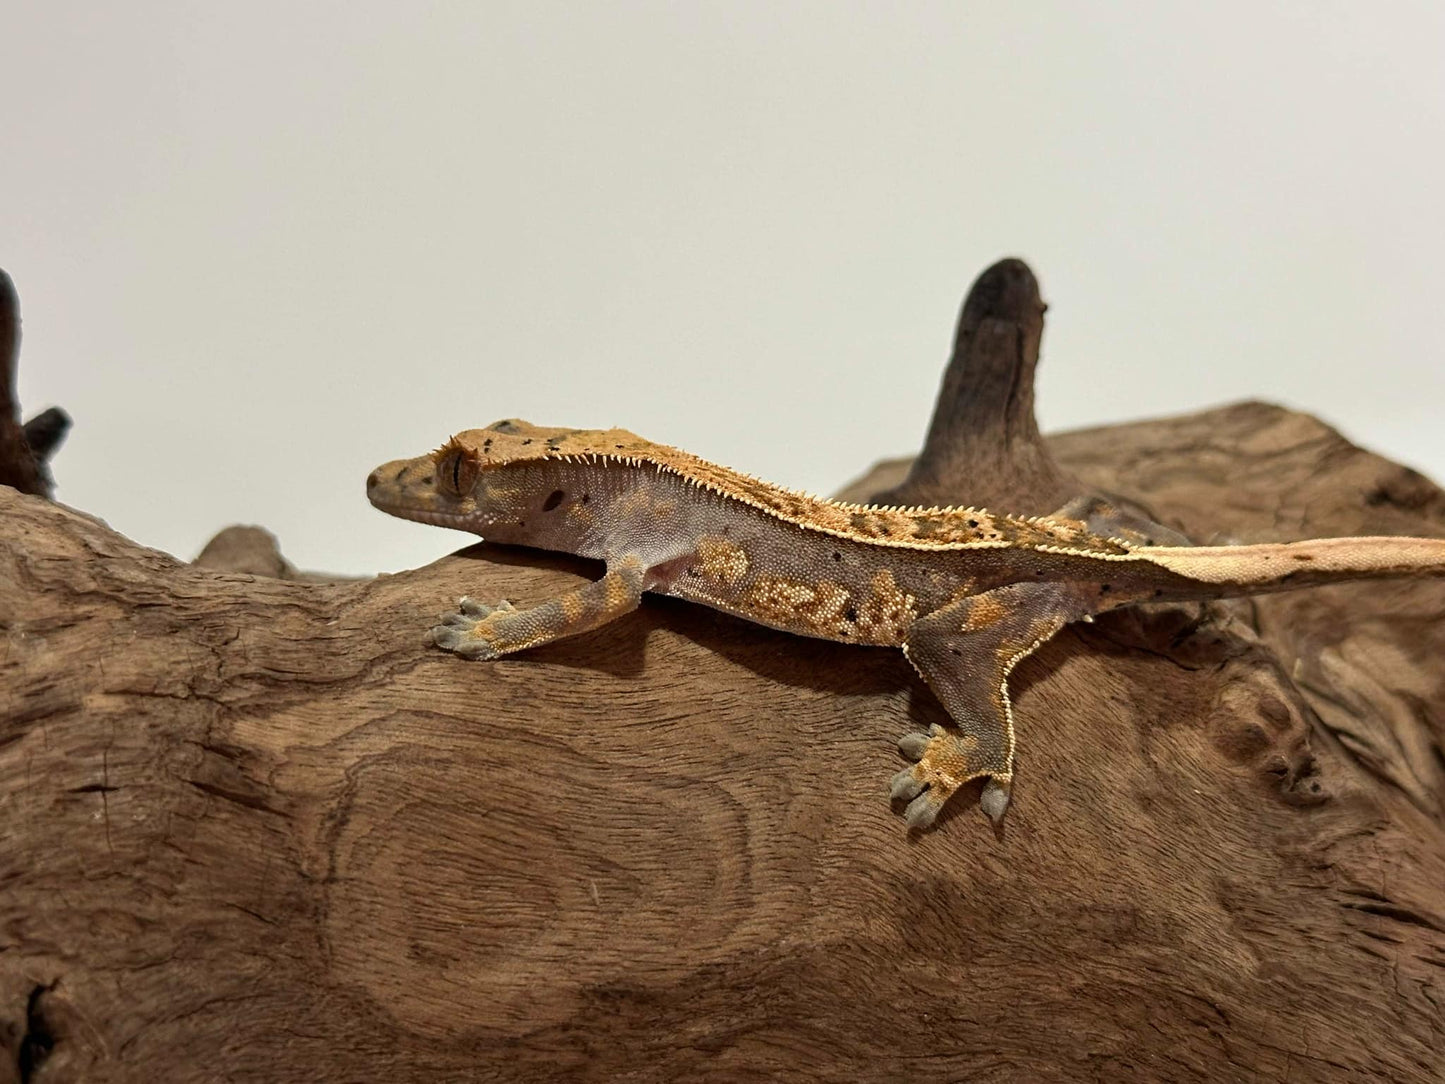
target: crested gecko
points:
(965, 593)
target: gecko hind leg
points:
(482, 631)
(965, 652)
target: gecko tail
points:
(1275, 566)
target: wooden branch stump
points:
(255, 829)
(24, 449)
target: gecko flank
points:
(966, 594)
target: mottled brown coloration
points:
(721, 562)
(967, 593)
(886, 613)
(513, 442)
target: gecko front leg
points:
(481, 631)
(965, 652)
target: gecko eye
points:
(456, 473)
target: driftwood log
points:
(256, 830)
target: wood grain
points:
(258, 830)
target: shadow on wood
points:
(255, 829)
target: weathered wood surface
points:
(24, 449)
(256, 830)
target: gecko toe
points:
(913, 745)
(460, 638)
(994, 799)
(925, 798)
(475, 648)
(467, 632)
(446, 636)
(923, 810)
(945, 762)
(905, 785)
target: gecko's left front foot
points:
(946, 761)
(471, 632)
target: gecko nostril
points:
(372, 480)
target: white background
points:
(263, 246)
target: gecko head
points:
(478, 479)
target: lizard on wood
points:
(966, 593)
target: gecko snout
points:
(401, 482)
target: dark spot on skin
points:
(973, 523)
(487, 445)
(1104, 587)
(837, 556)
(553, 500)
(956, 652)
(1158, 591)
(693, 572)
(586, 498)
(521, 523)
(618, 446)
(527, 441)
(399, 474)
(1303, 557)
(429, 482)
(850, 614)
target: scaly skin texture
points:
(967, 594)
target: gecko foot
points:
(470, 631)
(945, 759)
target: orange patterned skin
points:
(966, 593)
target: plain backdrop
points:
(263, 247)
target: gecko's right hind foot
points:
(946, 761)
(923, 786)
(469, 631)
